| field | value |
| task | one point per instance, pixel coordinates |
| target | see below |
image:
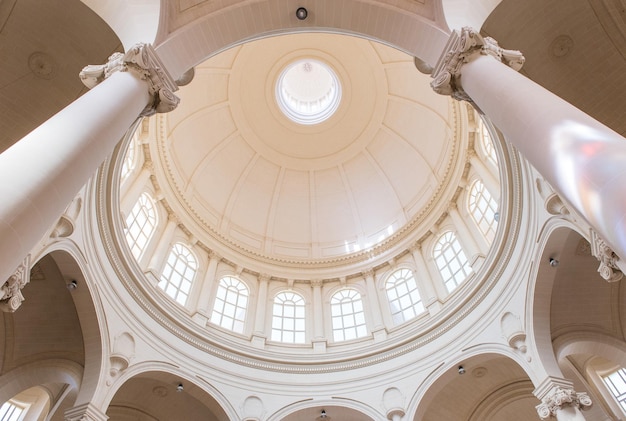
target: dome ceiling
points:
(249, 175)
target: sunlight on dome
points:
(308, 91)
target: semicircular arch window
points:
(178, 273)
(288, 318)
(141, 224)
(451, 260)
(348, 317)
(404, 298)
(231, 304)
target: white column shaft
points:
(162, 249)
(207, 286)
(581, 158)
(373, 300)
(424, 278)
(41, 174)
(471, 246)
(318, 312)
(261, 306)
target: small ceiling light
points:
(553, 262)
(301, 13)
(180, 387)
(323, 416)
(72, 285)
(461, 370)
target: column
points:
(426, 281)
(202, 314)
(161, 252)
(259, 335)
(41, 174)
(378, 327)
(319, 340)
(580, 157)
(559, 400)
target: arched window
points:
(451, 260)
(616, 383)
(178, 273)
(486, 143)
(10, 412)
(404, 298)
(346, 309)
(141, 224)
(231, 302)
(288, 318)
(483, 207)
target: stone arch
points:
(485, 375)
(152, 389)
(459, 13)
(417, 34)
(335, 408)
(596, 344)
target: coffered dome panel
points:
(249, 175)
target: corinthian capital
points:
(461, 48)
(559, 398)
(608, 269)
(11, 291)
(143, 61)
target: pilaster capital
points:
(462, 47)
(264, 277)
(608, 269)
(559, 398)
(11, 297)
(317, 283)
(368, 273)
(213, 255)
(142, 60)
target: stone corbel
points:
(560, 398)
(610, 264)
(143, 61)
(461, 48)
(11, 297)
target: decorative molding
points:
(85, 412)
(11, 297)
(609, 268)
(462, 47)
(559, 398)
(316, 283)
(143, 61)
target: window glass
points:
(451, 260)
(616, 383)
(178, 273)
(129, 159)
(288, 318)
(348, 320)
(483, 208)
(486, 144)
(231, 302)
(404, 298)
(10, 412)
(141, 224)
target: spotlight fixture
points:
(180, 387)
(301, 13)
(323, 416)
(461, 370)
(72, 285)
(553, 262)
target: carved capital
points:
(142, 60)
(462, 47)
(559, 398)
(608, 269)
(317, 283)
(11, 297)
(368, 273)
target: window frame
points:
(416, 307)
(298, 334)
(168, 284)
(240, 312)
(360, 326)
(150, 214)
(463, 265)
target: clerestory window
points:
(178, 274)
(141, 224)
(451, 260)
(288, 318)
(231, 303)
(348, 318)
(404, 298)
(10, 412)
(483, 208)
(616, 383)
